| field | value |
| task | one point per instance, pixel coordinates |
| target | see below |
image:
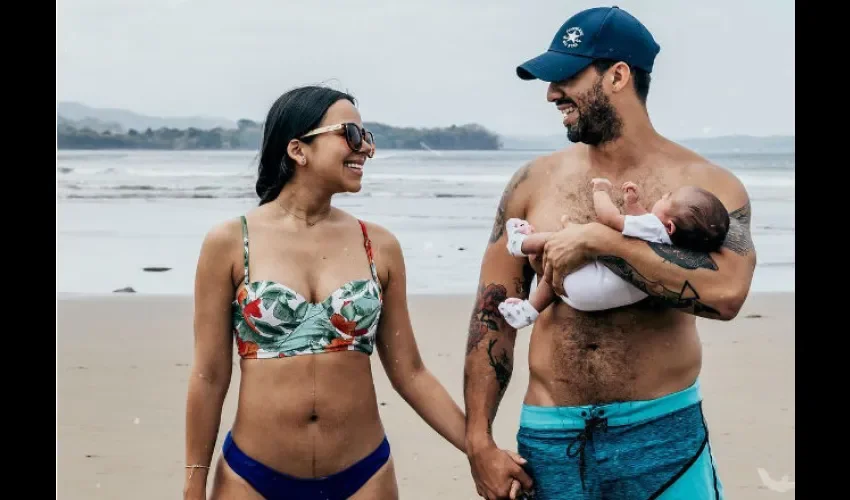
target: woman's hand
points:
(195, 485)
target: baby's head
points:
(695, 218)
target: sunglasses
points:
(355, 135)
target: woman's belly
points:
(308, 416)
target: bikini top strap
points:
(245, 246)
(367, 243)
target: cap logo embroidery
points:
(572, 37)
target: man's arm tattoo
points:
(523, 285)
(485, 315)
(502, 365)
(687, 259)
(738, 239)
(686, 299)
(518, 286)
(499, 222)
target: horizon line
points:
(211, 117)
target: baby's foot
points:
(517, 312)
(517, 230)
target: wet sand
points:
(123, 363)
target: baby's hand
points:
(631, 193)
(601, 184)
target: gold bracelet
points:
(193, 467)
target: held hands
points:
(498, 474)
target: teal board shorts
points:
(637, 450)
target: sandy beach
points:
(123, 363)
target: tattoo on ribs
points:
(499, 222)
(485, 315)
(686, 299)
(501, 365)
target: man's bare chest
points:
(571, 195)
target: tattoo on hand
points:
(485, 315)
(687, 298)
(501, 365)
(499, 223)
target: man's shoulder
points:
(542, 167)
(527, 180)
(706, 173)
(560, 158)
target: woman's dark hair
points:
(292, 115)
(701, 224)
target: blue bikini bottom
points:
(275, 485)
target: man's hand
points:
(631, 193)
(496, 472)
(601, 184)
(566, 251)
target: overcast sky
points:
(725, 66)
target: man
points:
(613, 406)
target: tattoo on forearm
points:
(681, 257)
(502, 365)
(518, 286)
(523, 285)
(485, 315)
(499, 223)
(686, 299)
(739, 239)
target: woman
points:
(308, 291)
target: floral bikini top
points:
(271, 320)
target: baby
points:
(689, 217)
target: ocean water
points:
(121, 211)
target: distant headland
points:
(83, 127)
(80, 127)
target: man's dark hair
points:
(701, 223)
(640, 78)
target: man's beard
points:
(598, 121)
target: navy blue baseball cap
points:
(597, 33)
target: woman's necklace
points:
(305, 219)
